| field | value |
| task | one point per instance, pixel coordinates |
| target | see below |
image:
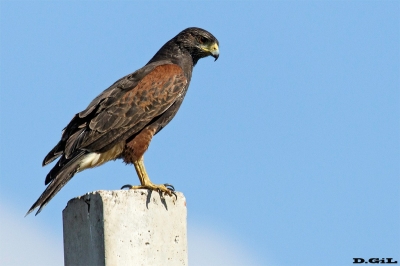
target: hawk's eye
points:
(203, 39)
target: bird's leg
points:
(141, 172)
(145, 182)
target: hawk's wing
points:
(122, 110)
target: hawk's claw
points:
(169, 186)
(172, 189)
(166, 188)
(126, 186)
(176, 196)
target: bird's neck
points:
(172, 52)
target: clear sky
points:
(287, 148)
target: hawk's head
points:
(200, 43)
(194, 42)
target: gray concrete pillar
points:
(125, 227)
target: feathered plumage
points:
(121, 121)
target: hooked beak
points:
(213, 49)
(215, 55)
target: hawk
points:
(122, 120)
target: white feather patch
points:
(94, 159)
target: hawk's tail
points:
(61, 173)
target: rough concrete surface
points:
(125, 227)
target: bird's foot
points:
(163, 188)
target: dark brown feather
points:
(153, 95)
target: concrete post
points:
(125, 227)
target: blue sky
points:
(287, 148)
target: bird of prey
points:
(122, 120)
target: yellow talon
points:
(158, 188)
(145, 182)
